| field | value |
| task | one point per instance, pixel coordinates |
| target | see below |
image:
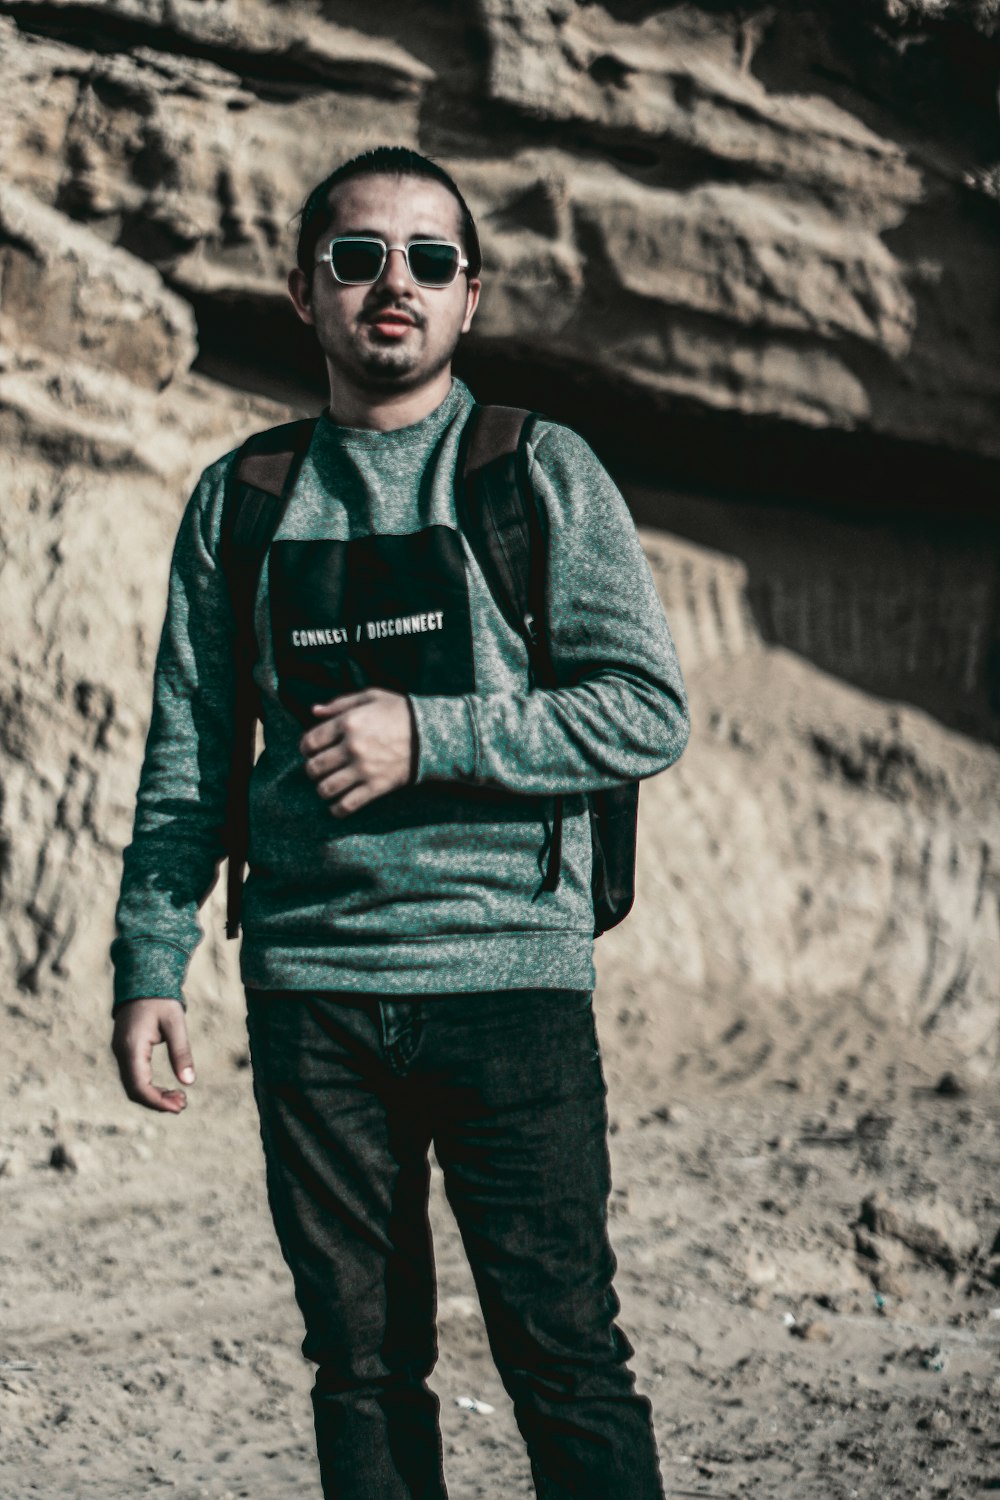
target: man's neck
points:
(350, 407)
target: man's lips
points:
(391, 322)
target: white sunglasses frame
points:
(375, 239)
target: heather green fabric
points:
(436, 887)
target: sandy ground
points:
(799, 1337)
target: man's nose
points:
(395, 275)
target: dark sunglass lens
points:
(357, 261)
(432, 264)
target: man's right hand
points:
(138, 1027)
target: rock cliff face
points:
(753, 251)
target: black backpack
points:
(498, 512)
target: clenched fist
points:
(362, 749)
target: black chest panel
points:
(378, 611)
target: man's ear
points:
(301, 294)
(471, 302)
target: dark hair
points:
(389, 161)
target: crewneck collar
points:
(413, 436)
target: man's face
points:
(393, 335)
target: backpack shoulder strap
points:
(499, 512)
(502, 520)
(261, 482)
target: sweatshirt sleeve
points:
(620, 711)
(177, 840)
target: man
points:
(409, 980)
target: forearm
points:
(178, 832)
(165, 880)
(618, 711)
(601, 732)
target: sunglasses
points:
(359, 260)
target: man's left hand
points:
(361, 749)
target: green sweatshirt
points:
(435, 887)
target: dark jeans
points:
(352, 1090)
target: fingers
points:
(362, 749)
(324, 763)
(342, 704)
(334, 771)
(331, 760)
(139, 1026)
(337, 789)
(350, 801)
(340, 779)
(174, 1029)
(340, 787)
(322, 737)
(328, 731)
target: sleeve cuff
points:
(146, 969)
(447, 749)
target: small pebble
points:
(471, 1403)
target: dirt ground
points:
(809, 1268)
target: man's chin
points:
(390, 367)
(397, 370)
